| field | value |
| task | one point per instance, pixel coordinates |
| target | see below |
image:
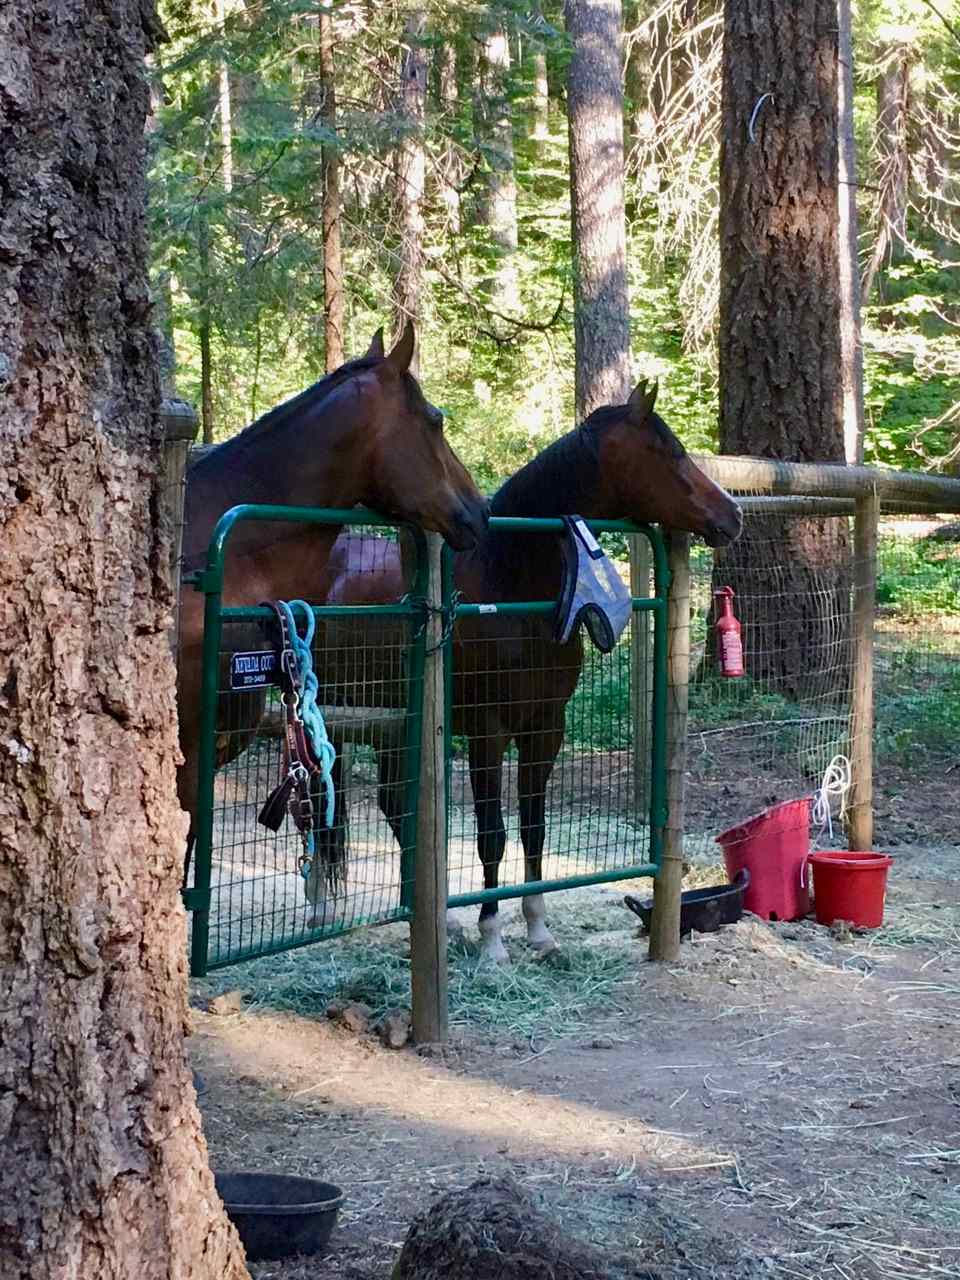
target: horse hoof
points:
(494, 959)
(548, 953)
(543, 946)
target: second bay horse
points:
(512, 679)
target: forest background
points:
(431, 145)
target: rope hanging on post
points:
(835, 782)
(307, 686)
(309, 750)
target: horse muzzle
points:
(720, 533)
(468, 525)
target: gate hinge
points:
(196, 899)
(208, 581)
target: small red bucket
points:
(773, 846)
(850, 886)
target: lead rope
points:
(835, 782)
(324, 752)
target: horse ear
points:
(641, 402)
(375, 350)
(401, 355)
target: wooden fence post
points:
(179, 430)
(428, 929)
(665, 923)
(641, 672)
(860, 815)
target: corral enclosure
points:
(782, 1101)
(752, 742)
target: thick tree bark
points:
(595, 110)
(779, 347)
(499, 205)
(411, 172)
(104, 1171)
(847, 241)
(334, 294)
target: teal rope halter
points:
(323, 749)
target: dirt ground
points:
(782, 1102)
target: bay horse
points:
(512, 680)
(364, 434)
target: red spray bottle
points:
(729, 644)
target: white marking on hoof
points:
(492, 950)
(539, 937)
(454, 928)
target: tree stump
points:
(493, 1231)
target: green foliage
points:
(912, 366)
(918, 576)
(248, 261)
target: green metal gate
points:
(248, 897)
(607, 795)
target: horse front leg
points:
(537, 755)
(486, 779)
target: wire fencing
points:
(769, 736)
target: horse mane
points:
(276, 418)
(555, 480)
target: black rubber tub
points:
(277, 1215)
(702, 909)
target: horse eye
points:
(435, 417)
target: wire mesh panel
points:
(918, 640)
(765, 737)
(255, 892)
(551, 771)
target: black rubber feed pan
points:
(702, 909)
(277, 1215)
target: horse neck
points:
(562, 480)
(299, 463)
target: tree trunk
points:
(643, 86)
(333, 291)
(205, 329)
(104, 1171)
(226, 111)
(499, 205)
(540, 129)
(893, 110)
(595, 111)
(450, 167)
(849, 265)
(779, 346)
(411, 172)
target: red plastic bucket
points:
(850, 886)
(773, 846)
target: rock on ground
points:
(491, 1230)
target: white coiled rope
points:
(834, 783)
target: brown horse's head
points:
(413, 472)
(648, 475)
